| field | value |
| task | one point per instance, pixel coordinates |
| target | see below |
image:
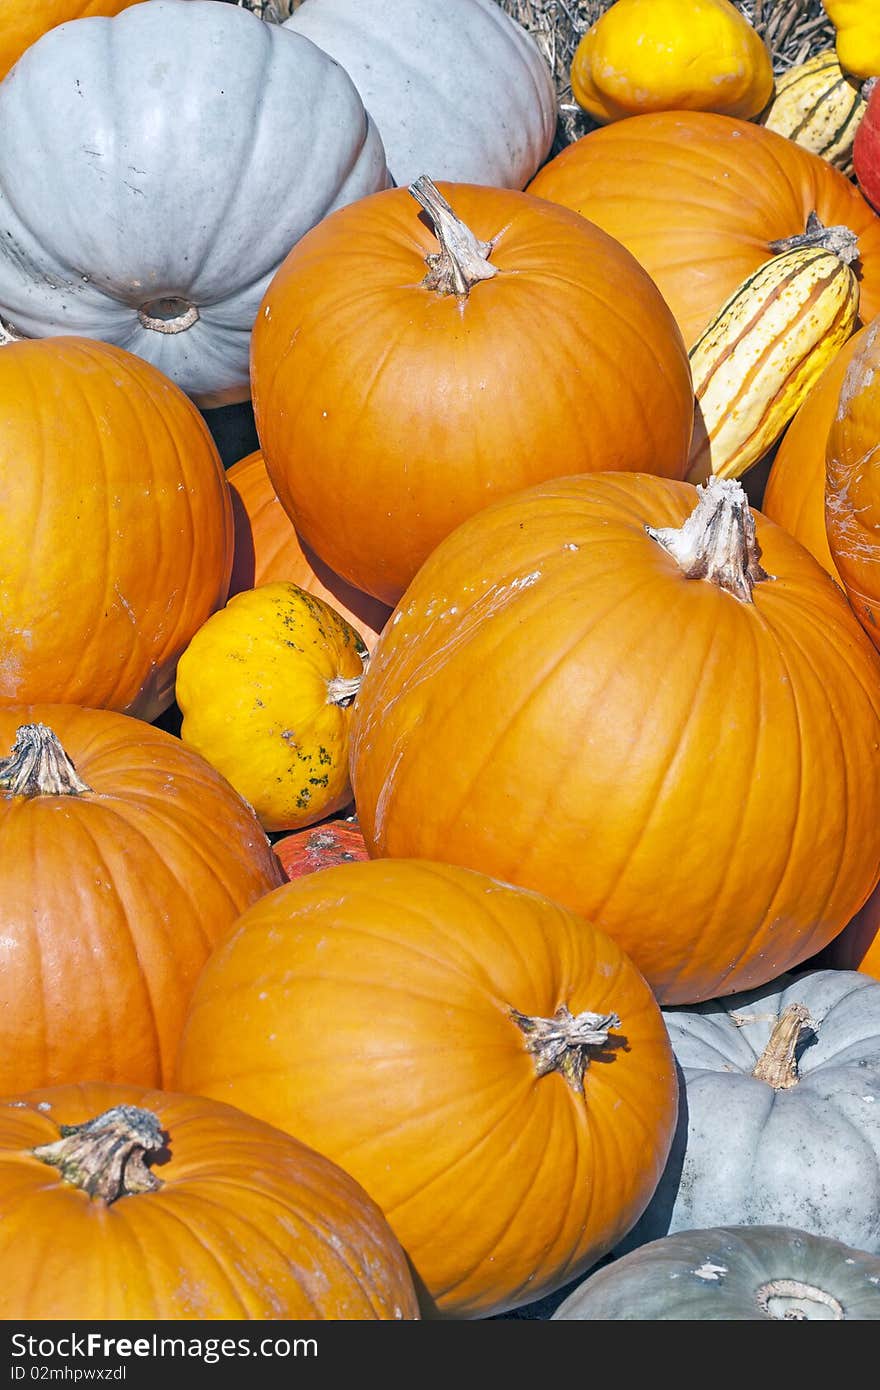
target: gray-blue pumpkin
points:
(155, 169)
(732, 1274)
(779, 1118)
(458, 89)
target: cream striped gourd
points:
(767, 346)
(819, 106)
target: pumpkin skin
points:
(112, 899)
(156, 250)
(866, 150)
(388, 412)
(500, 1183)
(731, 1274)
(321, 847)
(647, 710)
(858, 945)
(266, 688)
(267, 548)
(858, 35)
(671, 55)
(752, 1152)
(246, 1223)
(852, 492)
(21, 25)
(698, 198)
(116, 526)
(459, 90)
(794, 496)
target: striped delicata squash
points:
(768, 345)
(819, 106)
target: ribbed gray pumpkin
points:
(156, 168)
(732, 1274)
(458, 89)
(779, 1121)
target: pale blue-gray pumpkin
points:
(779, 1122)
(155, 169)
(458, 89)
(731, 1274)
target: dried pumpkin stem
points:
(838, 239)
(777, 1064)
(718, 541)
(39, 766)
(107, 1157)
(463, 258)
(170, 315)
(561, 1043)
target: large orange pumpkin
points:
(852, 483)
(795, 493)
(409, 369)
(121, 1203)
(698, 199)
(267, 548)
(115, 526)
(858, 945)
(664, 729)
(123, 858)
(492, 1069)
(22, 24)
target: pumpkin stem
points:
(8, 334)
(341, 690)
(463, 258)
(718, 541)
(107, 1157)
(560, 1043)
(777, 1064)
(39, 766)
(169, 315)
(838, 239)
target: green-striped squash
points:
(764, 350)
(819, 106)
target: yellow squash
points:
(671, 55)
(858, 34)
(766, 347)
(819, 107)
(265, 688)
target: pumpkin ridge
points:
(201, 1244)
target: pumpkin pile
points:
(439, 845)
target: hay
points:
(792, 29)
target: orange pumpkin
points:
(22, 24)
(124, 859)
(602, 690)
(698, 199)
(852, 487)
(321, 847)
(267, 548)
(399, 387)
(120, 1203)
(795, 493)
(115, 527)
(491, 1068)
(858, 945)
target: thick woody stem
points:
(463, 258)
(107, 1157)
(718, 541)
(561, 1043)
(39, 766)
(777, 1064)
(838, 239)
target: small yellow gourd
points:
(265, 688)
(671, 55)
(857, 23)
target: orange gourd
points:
(795, 493)
(409, 369)
(699, 198)
(858, 945)
(267, 548)
(492, 1069)
(852, 483)
(123, 1203)
(123, 858)
(115, 527)
(23, 24)
(646, 701)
